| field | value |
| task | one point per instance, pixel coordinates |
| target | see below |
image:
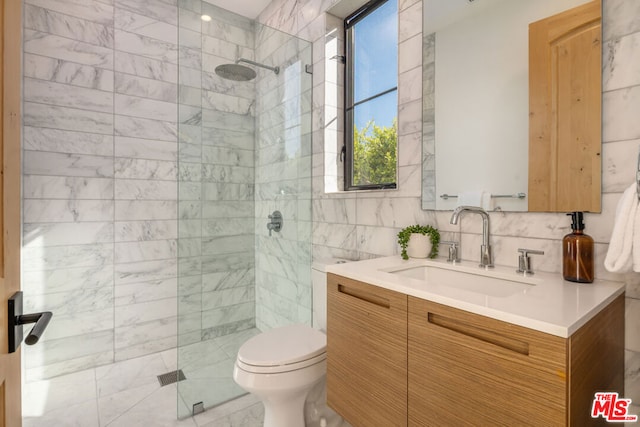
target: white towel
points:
(475, 198)
(625, 238)
(487, 201)
(470, 198)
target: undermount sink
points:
(486, 282)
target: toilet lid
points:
(283, 346)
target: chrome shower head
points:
(236, 72)
(239, 72)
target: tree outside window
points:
(375, 151)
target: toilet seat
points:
(280, 369)
(283, 349)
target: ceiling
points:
(249, 8)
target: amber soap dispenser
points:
(577, 252)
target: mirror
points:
(476, 108)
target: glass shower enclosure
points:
(244, 153)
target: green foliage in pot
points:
(405, 234)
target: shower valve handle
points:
(275, 222)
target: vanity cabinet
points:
(470, 369)
(398, 360)
(466, 367)
(366, 353)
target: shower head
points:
(239, 72)
(235, 72)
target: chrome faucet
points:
(486, 259)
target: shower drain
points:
(171, 377)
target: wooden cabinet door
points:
(565, 94)
(596, 358)
(469, 370)
(366, 353)
(10, 22)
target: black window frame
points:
(349, 105)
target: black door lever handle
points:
(17, 319)
(41, 321)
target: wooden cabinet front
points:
(466, 369)
(366, 353)
(396, 360)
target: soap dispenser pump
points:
(577, 252)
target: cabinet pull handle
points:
(364, 296)
(490, 337)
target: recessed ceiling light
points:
(205, 18)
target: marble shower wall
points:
(364, 224)
(216, 178)
(139, 178)
(100, 168)
(283, 179)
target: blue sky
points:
(376, 65)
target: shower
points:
(241, 73)
(159, 249)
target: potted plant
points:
(415, 240)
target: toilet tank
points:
(319, 296)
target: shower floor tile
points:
(128, 393)
(117, 405)
(58, 393)
(157, 409)
(130, 374)
(83, 414)
(208, 366)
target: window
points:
(371, 96)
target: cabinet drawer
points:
(366, 353)
(466, 369)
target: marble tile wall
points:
(216, 190)
(228, 174)
(283, 174)
(145, 112)
(189, 178)
(139, 211)
(364, 224)
(100, 168)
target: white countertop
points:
(547, 303)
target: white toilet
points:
(282, 365)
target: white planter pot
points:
(419, 246)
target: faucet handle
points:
(275, 222)
(524, 260)
(453, 251)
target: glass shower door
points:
(244, 152)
